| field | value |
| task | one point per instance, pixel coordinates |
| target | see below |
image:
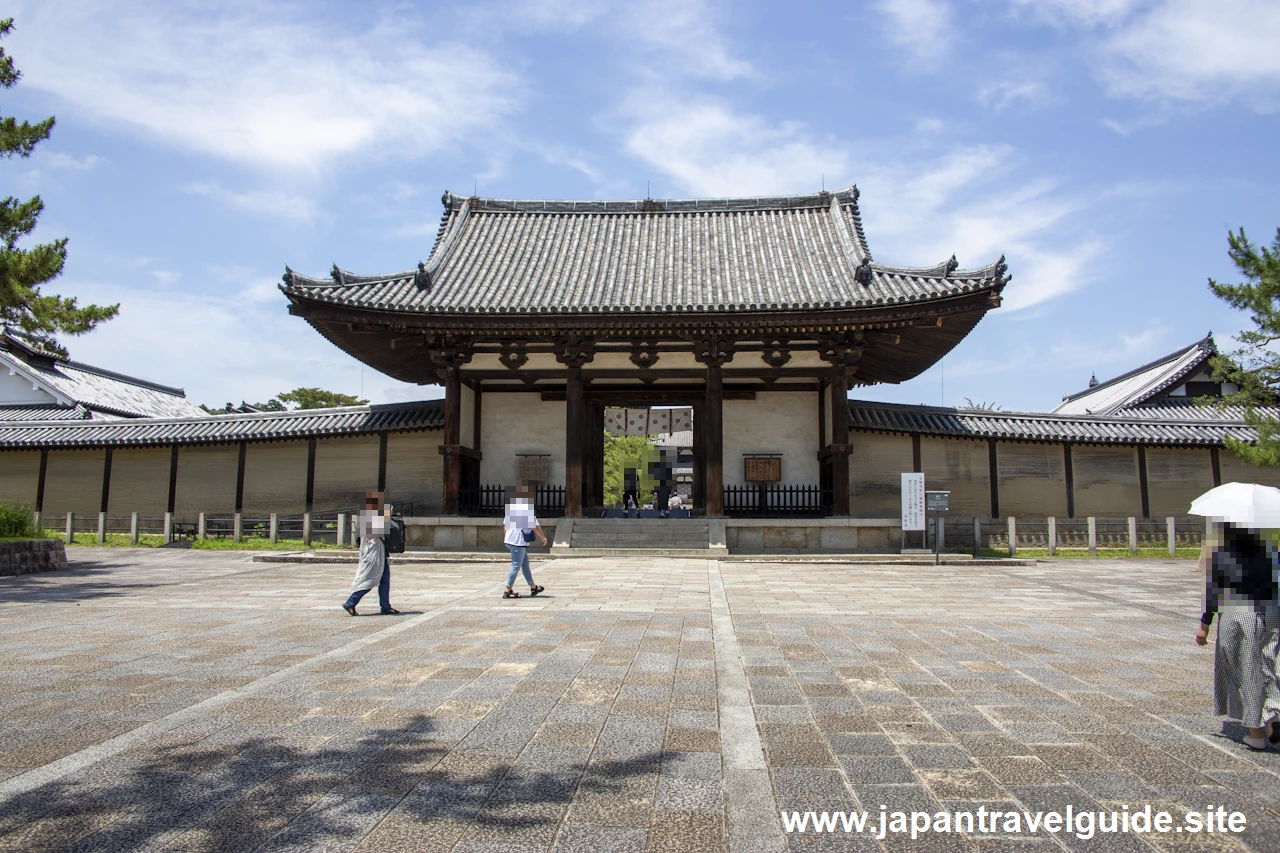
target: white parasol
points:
(1242, 504)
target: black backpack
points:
(395, 536)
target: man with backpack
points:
(375, 526)
(521, 526)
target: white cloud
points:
(1190, 51)
(711, 150)
(233, 81)
(265, 203)
(59, 160)
(1004, 94)
(923, 27)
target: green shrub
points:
(16, 522)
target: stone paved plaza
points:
(196, 701)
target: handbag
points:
(529, 536)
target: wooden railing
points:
(491, 500)
(777, 500)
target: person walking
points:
(374, 567)
(520, 524)
(1241, 588)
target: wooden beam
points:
(574, 414)
(1142, 481)
(713, 438)
(1069, 468)
(993, 469)
(651, 396)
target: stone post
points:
(1171, 533)
(275, 527)
(1053, 536)
(102, 528)
(1133, 535)
(133, 528)
(1093, 536)
(941, 535)
(168, 527)
(342, 529)
(237, 522)
(1013, 536)
(71, 527)
(202, 528)
(306, 529)
(977, 536)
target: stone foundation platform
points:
(26, 556)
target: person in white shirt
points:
(520, 524)
(373, 523)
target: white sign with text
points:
(913, 501)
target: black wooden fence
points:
(491, 500)
(776, 500)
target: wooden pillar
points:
(451, 446)
(311, 474)
(475, 418)
(839, 446)
(244, 447)
(994, 473)
(713, 438)
(173, 481)
(1069, 469)
(1142, 481)
(382, 461)
(699, 469)
(822, 414)
(106, 483)
(44, 466)
(1217, 468)
(574, 412)
(916, 464)
(589, 461)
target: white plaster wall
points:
(16, 390)
(783, 422)
(467, 412)
(520, 423)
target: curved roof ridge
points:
(1205, 345)
(848, 196)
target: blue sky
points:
(1104, 146)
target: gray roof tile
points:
(497, 256)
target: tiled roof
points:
(41, 412)
(1138, 385)
(1186, 409)
(1030, 426)
(219, 429)
(101, 390)
(495, 256)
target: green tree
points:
(622, 452)
(318, 398)
(23, 271)
(1255, 367)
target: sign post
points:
(936, 503)
(913, 511)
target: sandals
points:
(351, 611)
(1257, 744)
(391, 611)
(535, 589)
(510, 593)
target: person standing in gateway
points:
(375, 568)
(521, 526)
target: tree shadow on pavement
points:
(244, 789)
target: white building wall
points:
(783, 422)
(16, 390)
(512, 423)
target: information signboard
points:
(913, 501)
(937, 501)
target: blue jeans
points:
(384, 589)
(519, 560)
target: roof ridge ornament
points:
(862, 275)
(952, 266)
(999, 272)
(422, 278)
(337, 275)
